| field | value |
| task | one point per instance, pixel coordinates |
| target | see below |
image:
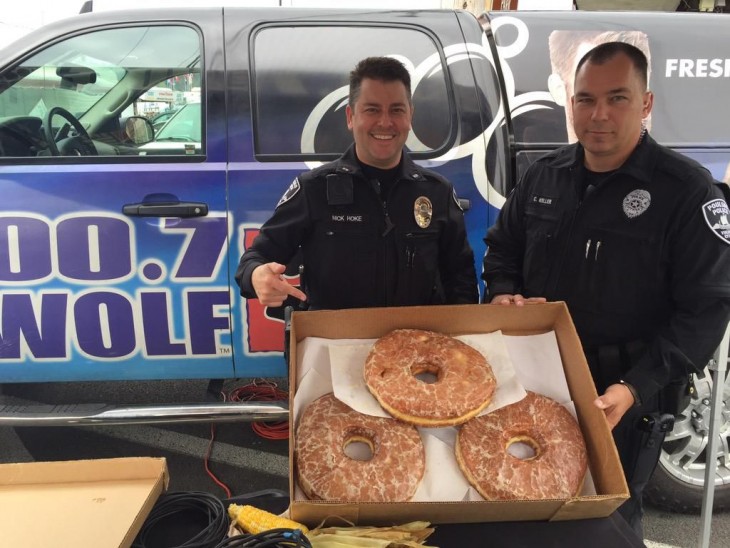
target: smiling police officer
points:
(374, 228)
(634, 237)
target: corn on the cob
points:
(254, 520)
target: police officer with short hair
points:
(634, 237)
(374, 228)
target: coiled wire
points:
(203, 519)
(173, 515)
(275, 538)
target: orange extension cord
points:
(263, 390)
(259, 390)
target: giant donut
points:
(555, 471)
(464, 381)
(392, 474)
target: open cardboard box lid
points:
(458, 320)
(77, 504)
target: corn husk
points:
(408, 535)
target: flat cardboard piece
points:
(69, 504)
(371, 323)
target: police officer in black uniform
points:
(374, 228)
(634, 237)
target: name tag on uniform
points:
(543, 200)
(351, 218)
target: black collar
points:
(639, 165)
(347, 163)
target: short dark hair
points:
(385, 69)
(605, 52)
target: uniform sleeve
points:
(700, 279)
(279, 238)
(502, 269)
(458, 274)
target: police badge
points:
(636, 202)
(423, 211)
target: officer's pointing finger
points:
(296, 293)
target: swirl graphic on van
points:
(464, 61)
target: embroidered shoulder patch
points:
(290, 192)
(717, 216)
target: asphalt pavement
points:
(239, 458)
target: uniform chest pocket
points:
(356, 242)
(338, 233)
(418, 267)
(541, 226)
(421, 249)
(622, 270)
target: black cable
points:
(200, 518)
(275, 538)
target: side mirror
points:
(139, 130)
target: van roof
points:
(113, 5)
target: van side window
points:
(101, 93)
(300, 88)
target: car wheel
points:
(678, 481)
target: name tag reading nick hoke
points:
(352, 218)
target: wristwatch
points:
(634, 392)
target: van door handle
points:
(166, 209)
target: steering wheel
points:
(60, 144)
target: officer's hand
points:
(271, 287)
(615, 402)
(517, 300)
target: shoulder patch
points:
(717, 215)
(290, 192)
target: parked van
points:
(118, 242)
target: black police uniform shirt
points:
(362, 247)
(639, 255)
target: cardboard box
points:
(72, 504)
(603, 458)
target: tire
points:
(677, 484)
